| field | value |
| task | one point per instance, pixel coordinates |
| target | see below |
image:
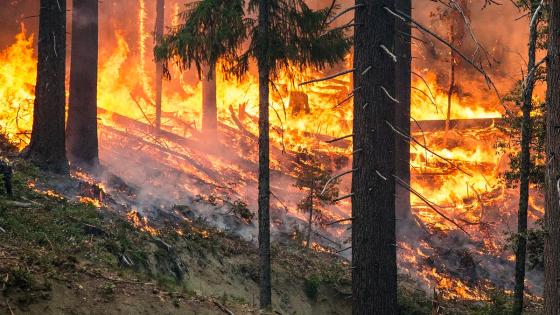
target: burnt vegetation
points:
(280, 157)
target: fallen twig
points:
(223, 308)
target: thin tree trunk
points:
(47, 146)
(402, 112)
(552, 206)
(264, 157)
(209, 107)
(81, 131)
(524, 168)
(160, 20)
(374, 267)
(310, 220)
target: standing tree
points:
(313, 177)
(287, 34)
(209, 104)
(552, 198)
(47, 146)
(374, 265)
(525, 164)
(402, 111)
(81, 131)
(160, 24)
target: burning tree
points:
(312, 177)
(47, 146)
(286, 34)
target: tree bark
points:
(264, 156)
(209, 107)
(524, 169)
(402, 112)
(310, 220)
(47, 145)
(552, 206)
(81, 131)
(374, 267)
(160, 20)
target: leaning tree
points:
(47, 145)
(287, 34)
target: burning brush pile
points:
(455, 240)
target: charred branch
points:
(328, 77)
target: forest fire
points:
(468, 204)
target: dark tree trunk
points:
(402, 113)
(209, 107)
(552, 207)
(374, 267)
(81, 131)
(524, 168)
(160, 18)
(47, 146)
(264, 157)
(310, 220)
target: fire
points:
(463, 188)
(18, 71)
(141, 222)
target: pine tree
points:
(47, 145)
(286, 34)
(160, 23)
(552, 197)
(374, 266)
(312, 177)
(81, 131)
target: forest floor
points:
(59, 256)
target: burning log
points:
(455, 124)
(299, 103)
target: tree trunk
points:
(374, 267)
(160, 20)
(209, 108)
(81, 131)
(402, 113)
(552, 206)
(47, 146)
(524, 168)
(310, 220)
(264, 157)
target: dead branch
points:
(339, 221)
(389, 95)
(328, 77)
(430, 204)
(341, 138)
(343, 197)
(341, 13)
(336, 177)
(480, 69)
(223, 308)
(412, 139)
(326, 238)
(343, 250)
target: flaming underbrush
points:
(85, 256)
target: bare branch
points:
(339, 221)
(341, 13)
(336, 177)
(328, 77)
(427, 202)
(389, 95)
(343, 197)
(341, 138)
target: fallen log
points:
(456, 124)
